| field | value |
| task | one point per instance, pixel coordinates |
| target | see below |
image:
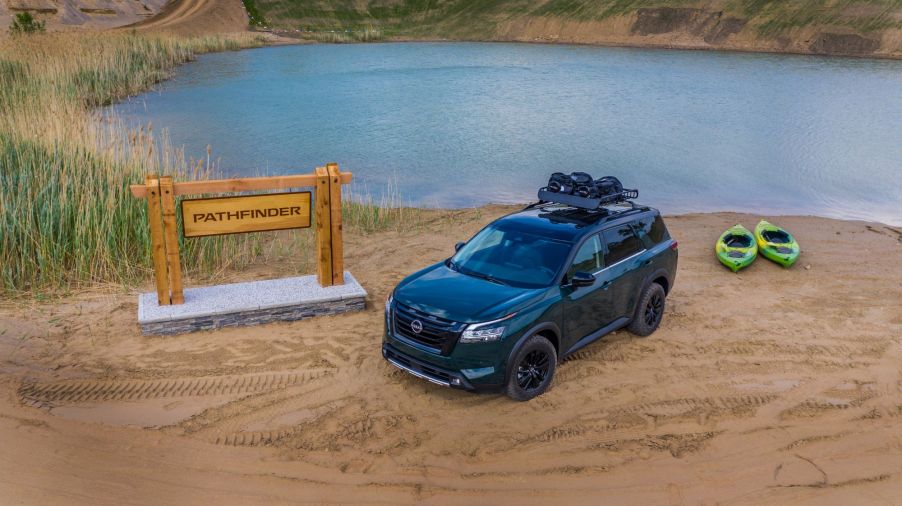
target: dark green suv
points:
(527, 290)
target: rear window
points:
(622, 243)
(651, 230)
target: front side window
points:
(511, 257)
(621, 242)
(588, 258)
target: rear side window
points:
(651, 230)
(588, 258)
(622, 242)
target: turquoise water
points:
(461, 124)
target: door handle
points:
(645, 262)
(605, 285)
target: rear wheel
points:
(649, 310)
(532, 369)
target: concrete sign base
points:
(250, 303)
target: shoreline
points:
(285, 38)
(426, 215)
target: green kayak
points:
(776, 244)
(736, 248)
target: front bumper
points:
(423, 370)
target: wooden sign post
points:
(241, 214)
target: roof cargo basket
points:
(580, 190)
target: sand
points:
(767, 386)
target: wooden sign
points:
(250, 213)
(234, 215)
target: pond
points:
(465, 124)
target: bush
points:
(24, 22)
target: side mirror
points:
(582, 279)
(458, 246)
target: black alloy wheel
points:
(649, 310)
(533, 369)
(654, 309)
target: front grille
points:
(439, 334)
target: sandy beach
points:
(763, 387)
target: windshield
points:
(511, 257)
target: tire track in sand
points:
(83, 391)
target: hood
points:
(445, 293)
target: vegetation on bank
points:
(66, 216)
(254, 16)
(481, 19)
(356, 34)
(24, 23)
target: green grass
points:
(361, 212)
(255, 17)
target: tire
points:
(649, 310)
(532, 369)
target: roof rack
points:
(592, 204)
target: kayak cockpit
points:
(737, 241)
(776, 236)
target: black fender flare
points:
(659, 273)
(526, 335)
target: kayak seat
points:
(738, 241)
(775, 236)
(784, 250)
(735, 254)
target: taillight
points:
(674, 245)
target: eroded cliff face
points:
(699, 28)
(844, 43)
(711, 26)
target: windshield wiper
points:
(487, 277)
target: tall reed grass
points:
(365, 213)
(66, 217)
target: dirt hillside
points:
(185, 17)
(770, 386)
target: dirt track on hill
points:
(197, 17)
(770, 386)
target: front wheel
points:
(649, 310)
(532, 369)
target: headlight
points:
(485, 332)
(388, 322)
(482, 335)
